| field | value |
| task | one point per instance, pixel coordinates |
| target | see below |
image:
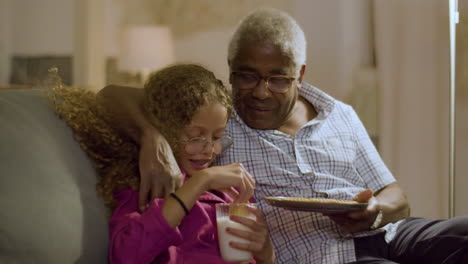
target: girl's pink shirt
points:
(148, 238)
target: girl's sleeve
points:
(139, 237)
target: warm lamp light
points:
(453, 21)
(145, 48)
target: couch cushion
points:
(49, 210)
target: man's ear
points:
(301, 75)
(302, 72)
(230, 69)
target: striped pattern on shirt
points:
(331, 156)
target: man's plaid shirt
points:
(330, 156)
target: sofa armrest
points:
(49, 210)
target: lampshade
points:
(145, 48)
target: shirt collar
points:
(322, 102)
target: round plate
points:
(315, 204)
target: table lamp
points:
(145, 48)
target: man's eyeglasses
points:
(198, 144)
(249, 80)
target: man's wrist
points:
(148, 132)
(377, 221)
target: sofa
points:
(49, 210)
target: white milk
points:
(227, 252)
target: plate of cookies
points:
(322, 205)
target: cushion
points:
(49, 209)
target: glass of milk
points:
(223, 211)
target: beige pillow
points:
(49, 210)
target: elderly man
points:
(298, 141)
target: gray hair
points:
(271, 26)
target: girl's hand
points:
(224, 178)
(260, 243)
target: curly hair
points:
(271, 26)
(174, 94)
(171, 97)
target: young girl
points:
(190, 107)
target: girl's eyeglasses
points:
(198, 144)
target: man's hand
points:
(159, 173)
(361, 220)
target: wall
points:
(321, 24)
(5, 40)
(213, 54)
(55, 27)
(461, 127)
(413, 77)
(34, 28)
(42, 27)
(338, 42)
